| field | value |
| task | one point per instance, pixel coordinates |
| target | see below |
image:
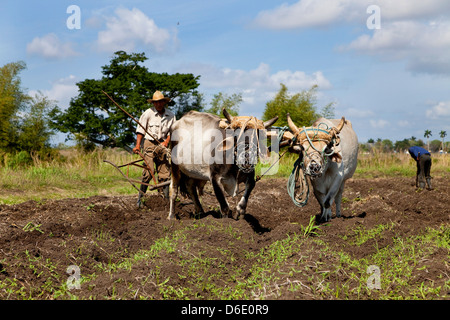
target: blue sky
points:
(392, 82)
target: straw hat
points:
(158, 96)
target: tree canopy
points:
(12, 100)
(223, 100)
(94, 117)
(23, 119)
(301, 106)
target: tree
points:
(94, 117)
(427, 135)
(402, 145)
(328, 111)
(442, 134)
(24, 124)
(387, 145)
(33, 131)
(12, 100)
(435, 145)
(301, 107)
(221, 100)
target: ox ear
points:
(336, 156)
(296, 149)
(226, 144)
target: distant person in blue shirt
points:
(423, 160)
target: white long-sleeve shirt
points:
(156, 124)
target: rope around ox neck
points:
(298, 186)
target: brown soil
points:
(70, 229)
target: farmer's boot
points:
(429, 183)
(141, 194)
(421, 181)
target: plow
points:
(133, 181)
(145, 166)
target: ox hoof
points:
(322, 219)
(239, 216)
(240, 213)
(226, 213)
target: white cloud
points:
(414, 31)
(261, 78)
(303, 14)
(404, 123)
(412, 9)
(351, 113)
(62, 91)
(50, 47)
(439, 111)
(313, 13)
(424, 46)
(128, 28)
(257, 86)
(379, 124)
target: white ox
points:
(224, 152)
(329, 151)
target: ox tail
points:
(182, 185)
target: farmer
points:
(158, 121)
(423, 160)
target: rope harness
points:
(246, 153)
(298, 185)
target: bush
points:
(21, 159)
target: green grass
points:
(80, 175)
(300, 265)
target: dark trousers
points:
(156, 156)
(423, 171)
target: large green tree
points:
(229, 102)
(94, 117)
(33, 130)
(12, 100)
(301, 106)
(24, 123)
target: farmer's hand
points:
(165, 143)
(139, 138)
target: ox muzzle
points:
(249, 139)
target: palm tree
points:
(427, 135)
(442, 134)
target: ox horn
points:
(340, 125)
(292, 125)
(270, 122)
(228, 116)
